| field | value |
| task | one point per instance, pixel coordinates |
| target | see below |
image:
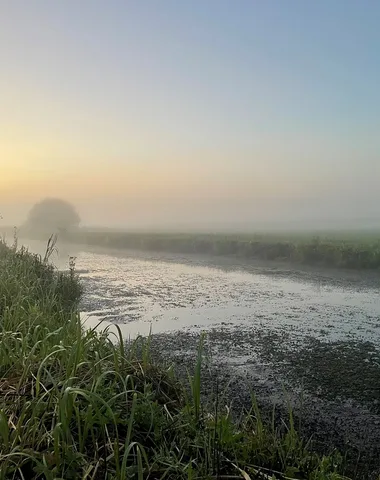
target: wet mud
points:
(332, 388)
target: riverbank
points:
(362, 253)
(75, 405)
(317, 274)
(316, 336)
(332, 387)
(352, 250)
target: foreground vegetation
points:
(78, 404)
(344, 250)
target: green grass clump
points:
(76, 404)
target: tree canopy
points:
(53, 214)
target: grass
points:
(78, 404)
(350, 250)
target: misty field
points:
(349, 250)
(78, 404)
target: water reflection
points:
(143, 294)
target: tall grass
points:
(360, 252)
(74, 404)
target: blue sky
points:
(191, 111)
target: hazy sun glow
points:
(190, 113)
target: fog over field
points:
(244, 216)
(186, 116)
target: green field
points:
(350, 249)
(77, 404)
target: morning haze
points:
(199, 181)
(192, 115)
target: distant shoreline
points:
(366, 279)
(342, 251)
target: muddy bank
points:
(332, 387)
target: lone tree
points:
(52, 215)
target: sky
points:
(186, 113)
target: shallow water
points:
(148, 294)
(141, 295)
